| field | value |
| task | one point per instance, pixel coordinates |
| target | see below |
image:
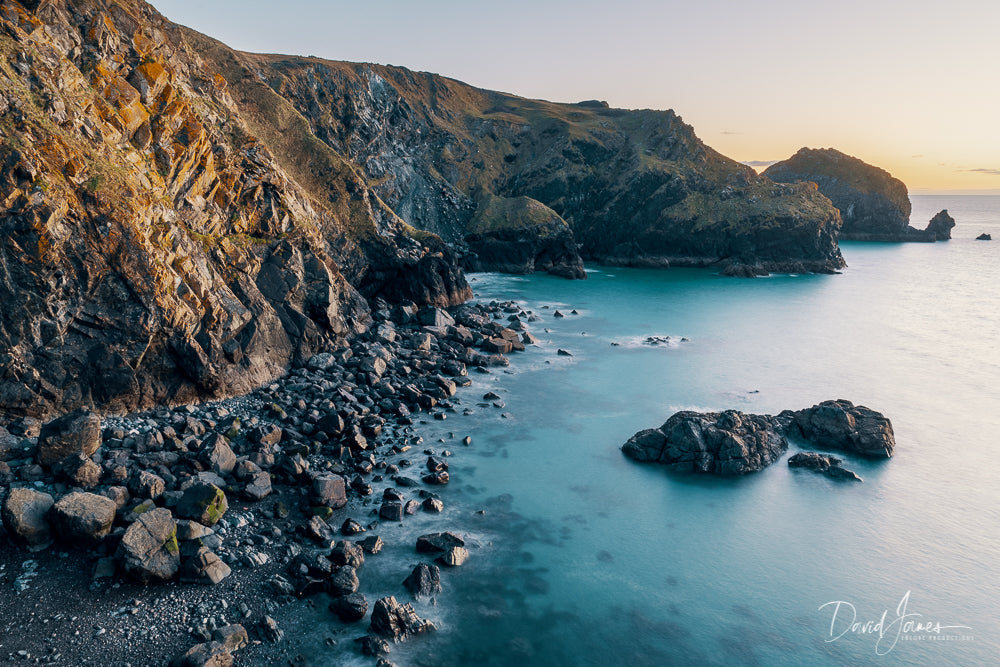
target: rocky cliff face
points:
(874, 206)
(159, 243)
(635, 187)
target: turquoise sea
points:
(582, 557)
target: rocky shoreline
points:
(185, 533)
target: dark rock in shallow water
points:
(734, 443)
(843, 426)
(350, 608)
(424, 581)
(438, 542)
(396, 621)
(984, 237)
(822, 463)
(725, 443)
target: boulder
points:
(217, 454)
(25, 514)
(258, 487)
(329, 491)
(984, 237)
(840, 425)
(207, 654)
(81, 471)
(454, 556)
(350, 608)
(391, 510)
(438, 542)
(723, 443)
(347, 553)
(424, 581)
(396, 621)
(202, 502)
(204, 567)
(149, 550)
(79, 432)
(82, 519)
(148, 485)
(435, 317)
(941, 225)
(343, 582)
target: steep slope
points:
(636, 187)
(873, 204)
(156, 243)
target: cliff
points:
(182, 221)
(873, 205)
(162, 240)
(635, 187)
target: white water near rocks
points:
(583, 557)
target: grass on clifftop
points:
(499, 213)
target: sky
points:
(910, 86)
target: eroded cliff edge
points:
(636, 188)
(158, 241)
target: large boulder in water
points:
(724, 443)
(735, 443)
(842, 426)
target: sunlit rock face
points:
(161, 242)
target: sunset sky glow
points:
(910, 86)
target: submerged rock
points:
(822, 463)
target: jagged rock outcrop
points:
(635, 187)
(873, 205)
(735, 443)
(170, 229)
(843, 426)
(724, 443)
(941, 225)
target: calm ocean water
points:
(582, 557)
